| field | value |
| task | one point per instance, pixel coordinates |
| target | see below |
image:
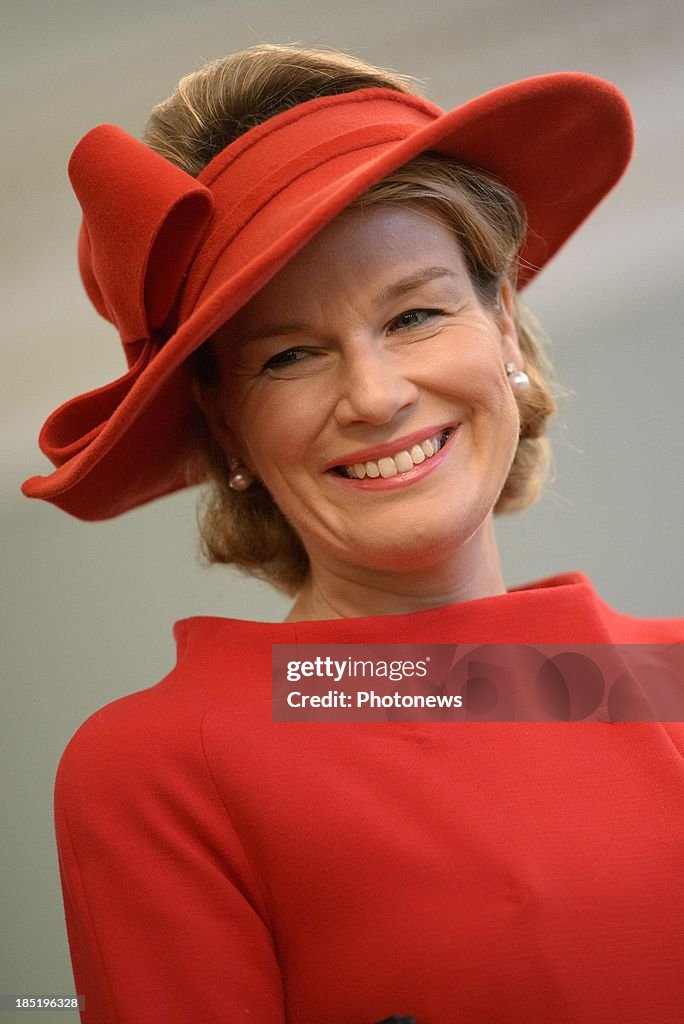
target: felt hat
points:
(169, 258)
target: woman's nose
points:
(373, 387)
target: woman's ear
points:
(510, 346)
(209, 402)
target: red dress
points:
(218, 867)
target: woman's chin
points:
(403, 549)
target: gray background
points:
(89, 607)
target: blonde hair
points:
(215, 105)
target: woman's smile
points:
(410, 464)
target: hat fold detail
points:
(143, 219)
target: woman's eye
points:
(287, 358)
(416, 317)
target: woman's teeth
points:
(402, 462)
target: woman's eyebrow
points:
(408, 284)
(383, 298)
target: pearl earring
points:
(239, 479)
(518, 378)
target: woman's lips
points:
(400, 479)
(389, 448)
(400, 462)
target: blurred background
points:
(89, 607)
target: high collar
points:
(563, 608)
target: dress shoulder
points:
(165, 914)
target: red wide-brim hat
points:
(169, 258)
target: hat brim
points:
(560, 142)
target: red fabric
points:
(218, 867)
(169, 258)
(143, 219)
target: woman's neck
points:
(348, 591)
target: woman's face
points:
(369, 349)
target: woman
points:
(315, 275)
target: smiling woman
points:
(316, 277)
(371, 380)
(482, 225)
